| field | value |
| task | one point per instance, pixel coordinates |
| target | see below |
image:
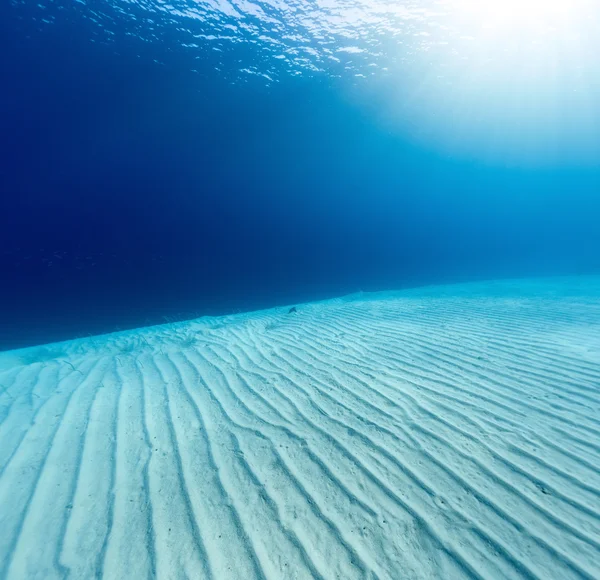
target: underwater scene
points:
(300, 289)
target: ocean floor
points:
(440, 432)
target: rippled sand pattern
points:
(436, 433)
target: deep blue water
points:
(166, 161)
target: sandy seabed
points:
(441, 432)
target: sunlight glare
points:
(518, 87)
(502, 12)
(520, 17)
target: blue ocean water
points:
(163, 160)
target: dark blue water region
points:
(132, 193)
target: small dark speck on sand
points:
(292, 309)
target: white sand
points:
(445, 432)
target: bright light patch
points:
(525, 19)
(507, 12)
(518, 83)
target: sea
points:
(167, 160)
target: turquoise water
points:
(167, 160)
